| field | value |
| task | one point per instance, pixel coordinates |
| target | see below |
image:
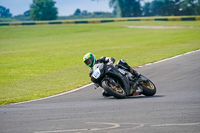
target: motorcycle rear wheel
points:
(117, 92)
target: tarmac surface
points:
(174, 109)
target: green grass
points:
(43, 60)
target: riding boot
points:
(105, 94)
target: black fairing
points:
(102, 67)
(110, 72)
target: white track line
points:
(92, 83)
(112, 126)
(55, 95)
(181, 124)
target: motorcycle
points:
(120, 83)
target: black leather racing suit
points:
(106, 60)
(120, 64)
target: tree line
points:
(134, 8)
(46, 10)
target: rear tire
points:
(112, 90)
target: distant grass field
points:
(43, 60)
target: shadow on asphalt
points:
(137, 97)
(142, 96)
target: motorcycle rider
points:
(90, 60)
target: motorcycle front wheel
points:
(149, 89)
(117, 92)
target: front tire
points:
(149, 89)
(117, 92)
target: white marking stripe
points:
(183, 124)
(92, 83)
(113, 125)
(56, 95)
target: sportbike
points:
(120, 83)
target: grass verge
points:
(43, 60)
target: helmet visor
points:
(88, 61)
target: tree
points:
(177, 10)
(5, 12)
(126, 8)
(158, 8)
(190, 7)
(43, 10)
(27, 13)
(147, 9)
(175, 7)
(132, 8)
(197, 7)
(84, 12)
(77, 12)
(169, 7)
(116, 5)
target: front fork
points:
(137, 84)
(111, 81)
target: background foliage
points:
(130, 8)
(43, 10)
(46, 10)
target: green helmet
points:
(89, 59)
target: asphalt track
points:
(174, 109)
